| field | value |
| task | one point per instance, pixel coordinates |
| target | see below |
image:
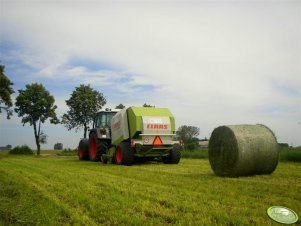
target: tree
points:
(35, 105)
(189, 134)
(58, 146)
(43, 138)
(120, 106)
(147, 105)
(83, 104)
(5, 92)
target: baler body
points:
(137, 133)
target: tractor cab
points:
(102, 123)
(103, 119)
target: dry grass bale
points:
(242, 150)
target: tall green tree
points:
(35, 105)
(83, 104)
(6, 91)
(189, 135)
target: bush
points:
(290, 154)
(23, 150)
(191, 146)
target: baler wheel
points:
(174, 156)
(124, 155)
(118, 156)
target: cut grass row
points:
(60, 190)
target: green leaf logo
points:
(282, 215)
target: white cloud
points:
(212, 62)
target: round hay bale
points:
(243, 150)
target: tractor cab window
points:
(103, 119)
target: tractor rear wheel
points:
(83, 149)
(174, 155)
(123, 154)
(95, 148)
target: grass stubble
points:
(60, 190)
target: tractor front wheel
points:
(94, 150)
(124, 155)
(83, 149)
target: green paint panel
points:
(118, 141)
(135, 117)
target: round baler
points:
(135, 133)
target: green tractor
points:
(132, 134)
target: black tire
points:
(123, 154)
(174, 156)
(104, 159)
(83, 149)
(96, 148)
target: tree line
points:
(35, 105)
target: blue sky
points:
(211, 62)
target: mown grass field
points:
(60, 190)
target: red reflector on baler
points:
(157, 141)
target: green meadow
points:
(61, 190)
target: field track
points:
(60, 190)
